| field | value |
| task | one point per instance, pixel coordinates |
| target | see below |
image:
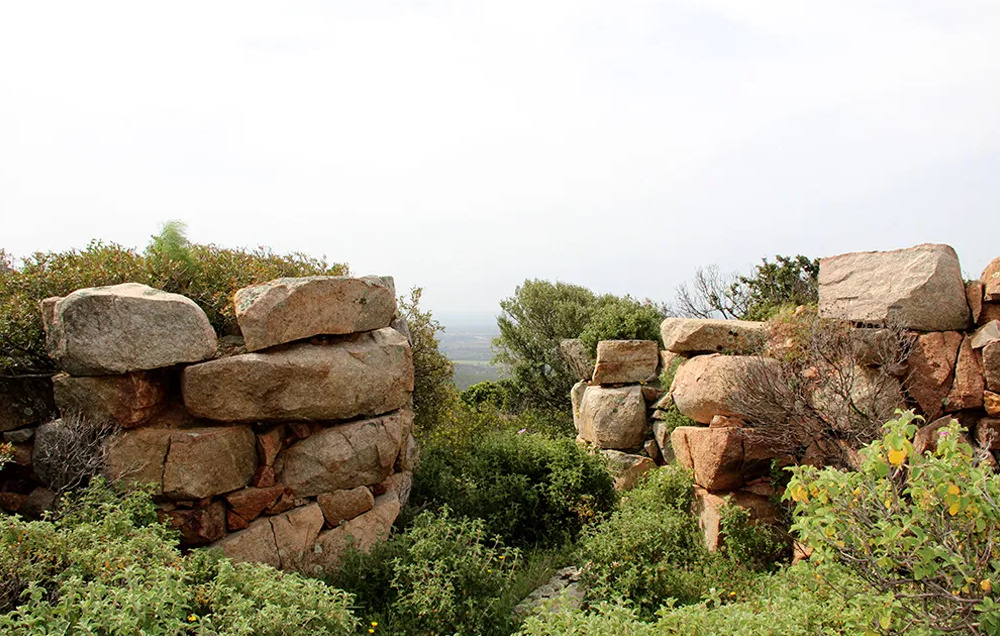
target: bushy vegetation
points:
(540, 314)
(769, 287)
(443, 575)
(207, 274)
(434, 396)
(105, 566)
(528, 488)
(921, 528)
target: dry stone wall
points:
(952, 370)
(285, 449)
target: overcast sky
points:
(465, 146)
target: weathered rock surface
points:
(342, 505)
(627, 468)
(368, 374)
(294, 534)
(409, 457)
(919, 287)
(197, 526)
(714, 454)
(399, 483)
(991, 366)
(613, 417)
(572, 351)
(345, 456)
(576, 401)
(249, 503)
(699, 335)
(990, 332)
(968, 386)
(129, 400)
(564, 591)
(703, 386)
(25, 401)
(289, 309)
(138, 456)
(709, 509)
(125, 328)
(360, 533)
(991, 402)
(209, 461)
(932, 366)
(974, 295)
(991, 280)
(255, 544)
(626, 361)
(661, 435)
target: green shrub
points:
(207, 274)
(750, 544)
(443, 575)
(622, 319)
(528, 488)
(920, 528)
(105, 566)
(650, 549)
(434, 394)
(488, 395)
(800, 600)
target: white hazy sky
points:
(465, 146)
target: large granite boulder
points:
(343, 505)
(991, 281)
(613, 417)
(991, 366)
(191, 463)
(25, 401)
(367, 374)
(714, 454)
(128, 400)
(703, 387)
(919, 287)
(345, 456)
(968, 386)
(626, 361)
(125, 328)
(289, 309)
(697, 335)
(360, 533)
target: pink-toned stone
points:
(249, 503)
(401, 484)
(991, 366)
(991, 402)
(138, 456)
(574, 354)
(209, 461)
(991, 311)
(198, 526)
(704, 385)
(263, 477)
(985, 334)
(342, 505)
(255, 544)
(714, 454)
(700, 335)
(974, 294)
(344, 456)
(931, 370)
(289, 309)
(284, 503)
(294, 534)
(991, 280)
(652, 394)
(627, 468)
(129, 400)
(709, 508)
(724, 421)
(235, 522)
(269, 445)
(967, 388)
(360, 533)
(626, 361)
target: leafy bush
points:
(488, 395)
(920, 528)
(207, 274)
(528, 488)
(803, 599)
(789, 281)
(443, 575)
(434, 395)
(622, 319)
(649, 549)
(105, 566)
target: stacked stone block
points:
(284, 450)
(953, 369)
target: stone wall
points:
(282, 447)
(953, 370)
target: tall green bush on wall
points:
(207, 274)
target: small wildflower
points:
(522, 431)
(192, 618)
